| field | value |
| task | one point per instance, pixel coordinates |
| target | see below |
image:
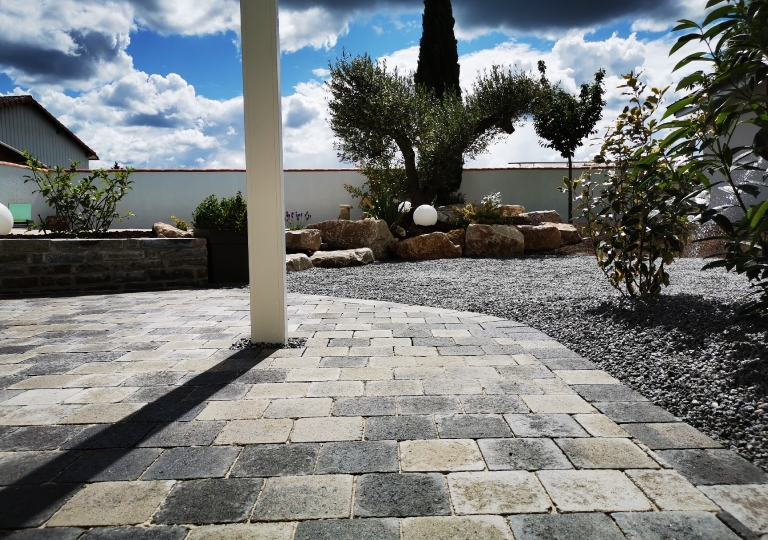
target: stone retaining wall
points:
(64, 265)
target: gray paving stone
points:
(428, 405)
(31, 506)
(197, 433)
(261, 460)
(591, 526)
(349, 529)
(123, 435)
(58, 533)
(356, 457)
(568, 363)
(472, 426)
(289, 498)
(195, 462)
(364, 406)
(219, 500)
(8, 394)
(459, 350)
(710, 467)
(401, 495)
(165, 394)
(344, 362)
(514, 387)
(259, 375)
(109, 465)
(155, 378)
(522, 454)
(546, 354)
(349, 342)
(607, 392)
(219, 393)
(666, 436)
(183, 411)
(400, 428)
(605, 453)
(672, 525)
(628, 411)
(412, 332)
(525, 372)
(161, 532)
(37, 438)
(474, 404)
(544, 425)
(21, 468)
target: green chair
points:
(22, 213)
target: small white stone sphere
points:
(425, 215)
(6, 220)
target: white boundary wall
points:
(158, 194)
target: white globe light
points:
(6, 220)
(425, 215)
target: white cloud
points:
(321, 72)
(314, 27)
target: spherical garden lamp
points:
(425, 215)
(6, 220)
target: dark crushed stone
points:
(685, 350)
(246, 343)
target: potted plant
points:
(224, 225)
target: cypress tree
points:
(438, 66)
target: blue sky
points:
(162, 86)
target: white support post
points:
(264, 169)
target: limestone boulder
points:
(493, 241)
(369, 233)
(542, 216)
(303, 240)
(458, 237)
(342, 258)
(436, 245)
(511, 210)
(163, 230)
(568, 233)
(541, 237)
(297, 262)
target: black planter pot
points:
(227, 255)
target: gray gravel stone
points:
(472, 426)
(349, 529)
(364, 406)
(195, 462)
(677, 525)
(400, 428)
(260, 460)
(564, 526)
(710, 467)
(401, 495)
(217, 500)
(522, 454)
(356, 457)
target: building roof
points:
(9, 154)
(15, 101)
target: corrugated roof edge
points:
(12, 101)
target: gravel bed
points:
(683, 350)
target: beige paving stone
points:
(326, 351)
(497, 492)
(358, 327)
(490, 360)
(306, 362)
(45, 381)
(336, 334)
(526, 359)
(420, 373)
(593, 491)
(305, 497)
(299, 408)
(393, 388)
(197, 364)
(451, 387)
(255, 432)
(441, 455)
(365, 374)
(553, 386)
(670, 491)
(112, 503)
(317, 343)
(101, 395)
(456, 528)
(598, 453)
(243, 531)
(336, 389)
(243, 409)
(88, 381)
(10, 369)
(415, 351)
(586, 376)
(371, 351)
(277, 390)
(599, 425)
(146, 366)
(505, 341)
(557, 404)
(41, 397)
(311, 375)
(408, 320)
(98, 368)
(334, 428)
(34, 415)
(748, 503)
(102, 413)
(417, 361)
(472, 373)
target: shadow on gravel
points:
(32, 499)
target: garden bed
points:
(683, 350)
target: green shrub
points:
(486, 212)
(638, 222)
(180, 223)
(81, 207)
(229, 214)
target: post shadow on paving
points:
(43, 488)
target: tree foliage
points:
(726, 99)
(438, 65)
(383, 120)
(564, 120)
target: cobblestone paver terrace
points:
(128, 416)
